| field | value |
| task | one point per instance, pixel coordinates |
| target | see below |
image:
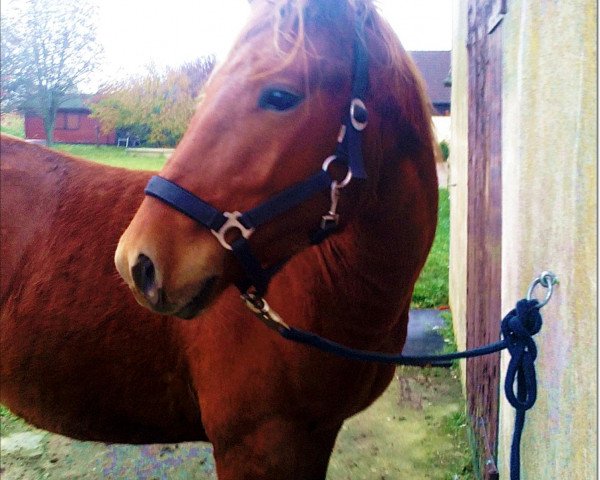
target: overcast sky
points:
(136, 33)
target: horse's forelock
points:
(291, 23)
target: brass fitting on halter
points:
(259, 307)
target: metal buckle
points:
(259, 307)
(330, 221)
(232, 222)
(354, 104)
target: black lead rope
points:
(518, 327)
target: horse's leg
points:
(277, 449)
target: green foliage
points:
(445, 148)
(4, 412)
(431, 289)
(156, 107)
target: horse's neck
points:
(365, 274)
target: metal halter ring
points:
(546, 280)
(232, 222)
(346, 179)
(356, 106)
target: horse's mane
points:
(397, 85)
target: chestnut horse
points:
(80, 357)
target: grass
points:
(431, 289)
(114, 156)
(417, 429)
(12, 124)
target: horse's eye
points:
(278, 99)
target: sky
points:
(136, 33)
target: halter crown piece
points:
(348, 152)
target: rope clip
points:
(331, 219)
(259, 307)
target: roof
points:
(75, 102)
(435, 68)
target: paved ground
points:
(423, 333)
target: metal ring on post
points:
(546, 280)
(346, 179)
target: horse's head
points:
(269, 117)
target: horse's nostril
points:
(144, 277)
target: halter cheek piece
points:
(348, 152)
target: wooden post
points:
(484, 221)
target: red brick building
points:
(73, 125)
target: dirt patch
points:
(416, 430)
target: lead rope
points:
(518, 328)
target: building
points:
(435, 68)
(73, 124)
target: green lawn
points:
(431, 290)
(115, 156)
(13, 124)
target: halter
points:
(348, 152)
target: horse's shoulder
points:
(30, 195)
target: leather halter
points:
(348, 152)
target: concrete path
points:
(423, 333)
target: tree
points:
(48, 48)
(155, 107)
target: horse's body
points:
(80, 357)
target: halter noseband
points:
(348, 152)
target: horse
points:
(165, 350)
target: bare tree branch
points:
(47, 50)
